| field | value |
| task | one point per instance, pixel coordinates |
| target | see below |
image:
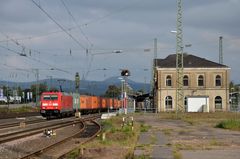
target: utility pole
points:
(77, 82)
(220, 50)
(61, 81)
(154, 65)
(50, 87)
(37, 85)
(179, 60)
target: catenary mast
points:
(179, 60)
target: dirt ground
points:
(198, 141)
(103, 153)
(187, 141)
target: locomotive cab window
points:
(54, 97)
(47, 97)
(50, 97)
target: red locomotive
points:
(61, 104)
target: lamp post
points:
(122, 89)
(125, 73)
(145, 81)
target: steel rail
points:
(53, 145)
(25, 133)
(44, 150)
(86, 140)
(13, 124)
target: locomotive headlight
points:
(55, 104)
(44, 104)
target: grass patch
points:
(144, 128)
(177, 155)
(153, 139)
(142, 157)
(232, 124)
(214, 142)
(116, 135)
(179, 146)
(167, 132)
(19, 109)
(198, 118)
(25, 109)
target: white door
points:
(197, 104)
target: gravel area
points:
(18, 148)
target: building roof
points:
(189, 61)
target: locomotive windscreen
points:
(50, 97)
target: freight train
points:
(60, 104)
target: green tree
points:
(233, 87)
(140, 91)
(42, 88)
(5, 90)
(19, 91)
(112, 91)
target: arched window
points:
(169, 81)
(218, 102)
(185, 80)
(200, 80)
(218, 80)
(168, 102)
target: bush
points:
(233, 124)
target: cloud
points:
(109, 25)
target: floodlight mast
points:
(179, 60)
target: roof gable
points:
(189, 61)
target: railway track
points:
(27, 122)
(29, 132)
(13, 124)
(59, 149)
(34, 144)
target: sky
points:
(100, 38)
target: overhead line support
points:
(179, 60)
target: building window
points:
(168, 102)
(185, 104)
(185, 80)
(200, 80)
(218, 80)
(218, 102)
(169, 81)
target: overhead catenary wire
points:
(35, 37)
(24, 55)
(76, 23)
(36, 60)
(74, 27)
(59, 25)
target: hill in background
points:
(86, 86)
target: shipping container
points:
(103, 103)
(119, 103)
(83, 102)
(115, 103)
(94, 102)
(76, 102)
(109, 103)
